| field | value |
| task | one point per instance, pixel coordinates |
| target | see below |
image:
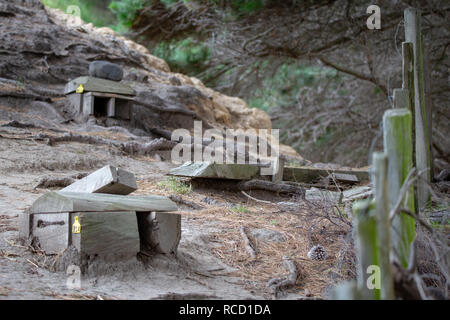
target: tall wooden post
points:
(398, 147)
(366, 243)
(381, 197)
(401, 98)
(408, 84)
(422, 114)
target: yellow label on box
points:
(80, 89)
(76, 227)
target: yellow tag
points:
(80, 89)
(76, 227)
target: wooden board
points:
(345, 177)
(310, 174)
(55, 202)
(111, 95)
(109, 236)
(91, 84)
(315, 194)
(51, 231)
(108, 179)
(215, 170)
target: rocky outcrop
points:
(41, 49)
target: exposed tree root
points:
(247, 243)
(276, 285)
(404, 284)
(23, 95)
(270, 186)
(126, 147)
(146, 148)
(51, 182)
(188, 203)
(179, 110)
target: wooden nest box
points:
(100, 97)
(108, 227)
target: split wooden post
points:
(398, 147)
(366, 243)
(381, 197)
(408, 74)
(422, 114)
(408, 84)
(401, 98)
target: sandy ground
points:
(211, 262)
(196, 272)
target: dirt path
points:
(189, 275)
(211, 263)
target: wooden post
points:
(398, 147)
(111, 107)
(88, 103)
(366, 242)
(408, 72)
(408, 83)
(381, 197)
(401, 98)
(428, 103)
(422, 115)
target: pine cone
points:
(317, 253)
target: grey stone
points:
(210, 201)
(108, 179)
(105, 70)
(267, 235)
(444, 175)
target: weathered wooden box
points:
(100, 97)
(111, 227)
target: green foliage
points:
(325, 138)
(185, 56)
(283, 87)
(175, 185)
(247, 6)
(91, 11)
(126, 11)
(170, 2)
(241, 209)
